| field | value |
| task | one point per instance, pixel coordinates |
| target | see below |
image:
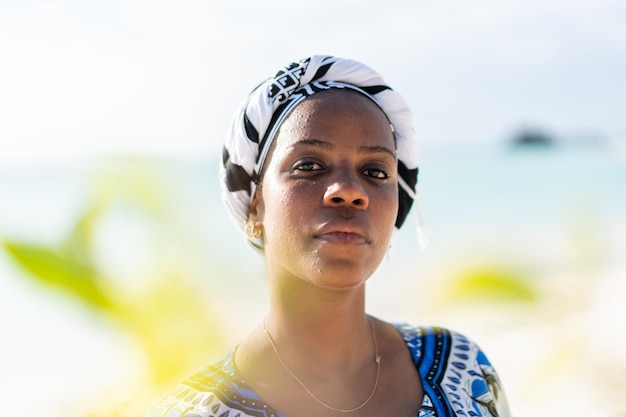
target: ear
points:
(257, 207)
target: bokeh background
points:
(121, 273)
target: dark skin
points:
(327, 203)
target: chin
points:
(341, 275)
(336, 286)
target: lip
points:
(343, 234)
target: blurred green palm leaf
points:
(491, 283)
(168, 316)
(60, 270)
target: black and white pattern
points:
(257, 120)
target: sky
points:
(161, 78)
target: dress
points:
(457, 380)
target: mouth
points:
(343, 236)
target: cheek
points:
(388, 199)
(291, 215)
(388, 210)
(283, 212)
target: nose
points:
(345, 190)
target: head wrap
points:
(256, 122)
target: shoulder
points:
(455, 371)
(215, 391)
(431, 343)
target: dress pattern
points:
(457, 380)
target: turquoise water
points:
(511, 197)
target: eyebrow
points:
(316, 143)
(376, 149)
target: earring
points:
(254, 230)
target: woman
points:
(318, 167)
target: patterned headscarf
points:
(256, 122)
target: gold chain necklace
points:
(340, 410)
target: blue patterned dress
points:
(456, 376)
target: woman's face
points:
(328, 198)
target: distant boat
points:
(537, 138)
(533, 138)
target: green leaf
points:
(492, 284)
(60, 271)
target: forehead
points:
(337, 114)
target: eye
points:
(376, 173)
(308, 166)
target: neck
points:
(311, 394)
(327, 326)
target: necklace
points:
(340, 410)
